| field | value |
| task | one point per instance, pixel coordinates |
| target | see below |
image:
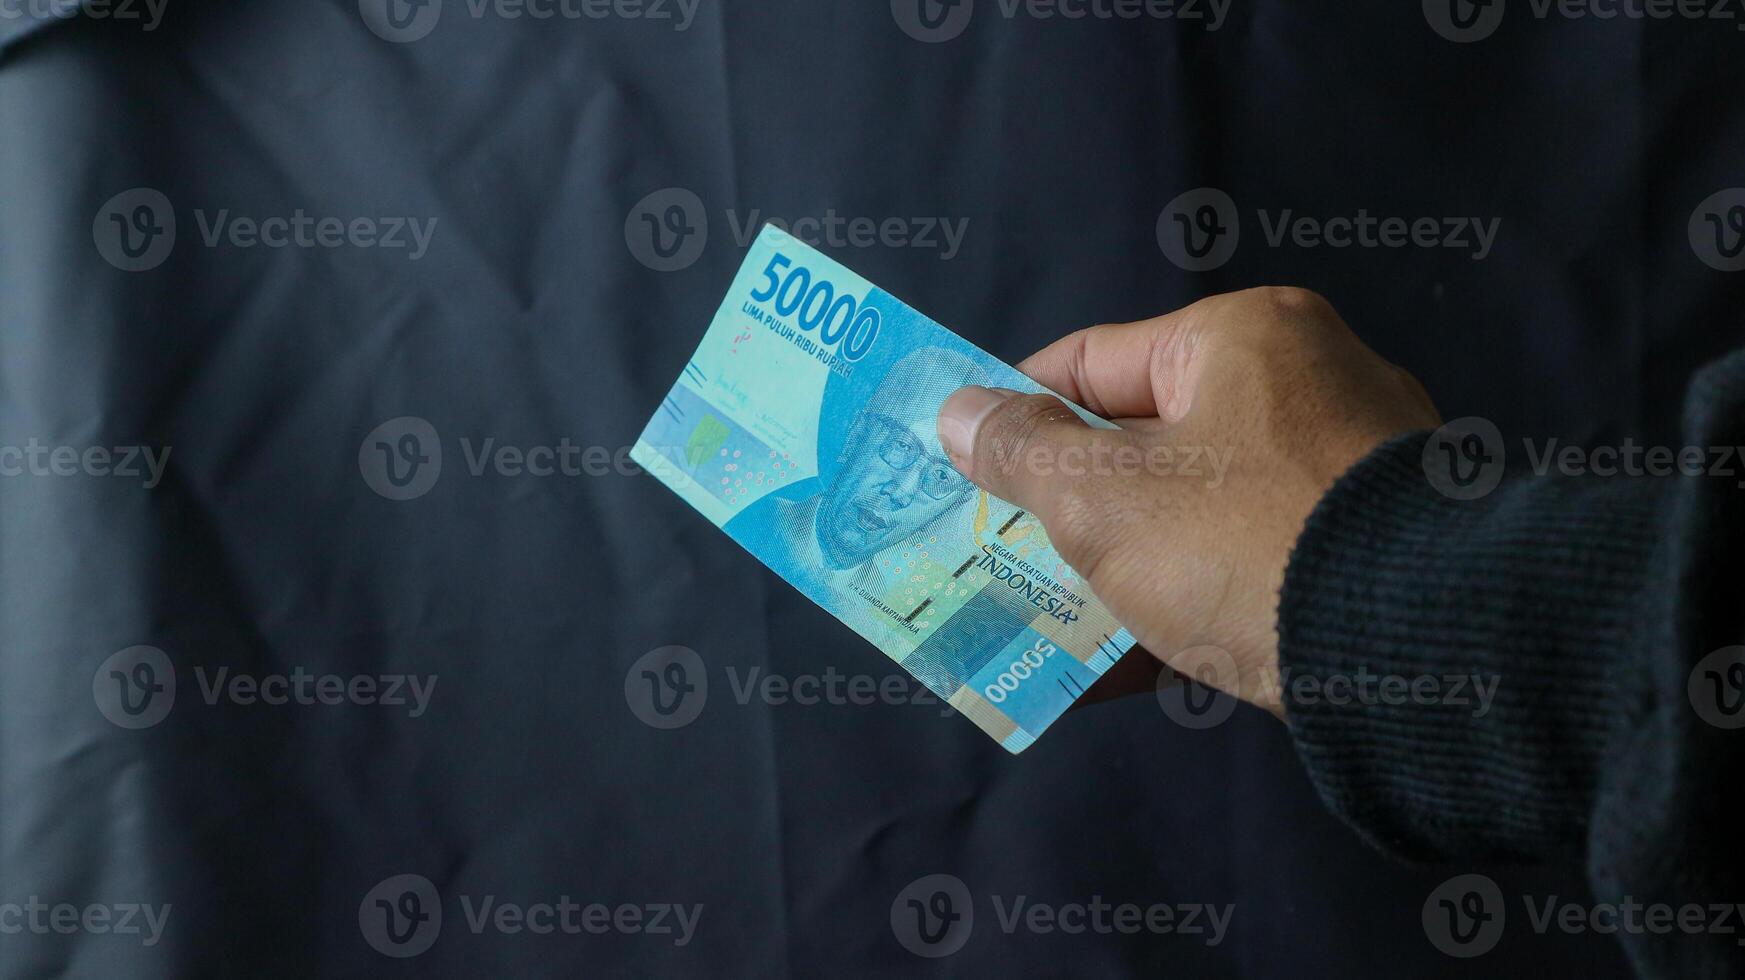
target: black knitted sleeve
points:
(1565, 636)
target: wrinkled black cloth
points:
(529, 322)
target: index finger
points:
(1119, 370)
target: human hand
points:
(1237, 414)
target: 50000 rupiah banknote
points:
(804, 427)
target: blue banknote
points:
(804, 427)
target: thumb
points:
(1031, 450)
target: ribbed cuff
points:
(1452, 668)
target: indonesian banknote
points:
(804, 427)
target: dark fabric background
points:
(530, 322)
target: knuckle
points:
(1295, 300)
(1269, 322)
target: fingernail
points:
(962, 415)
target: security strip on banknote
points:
(805, 427)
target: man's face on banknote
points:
(894, 482)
